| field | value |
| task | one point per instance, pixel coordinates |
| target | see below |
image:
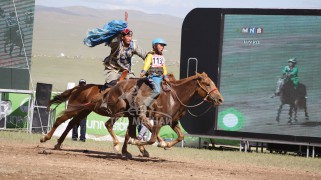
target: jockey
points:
(292, 71)
(122, 50)
(11, 21)
(155, 68)
(10, 34)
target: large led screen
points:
(256, 78)
(16, 25)
(16, 30)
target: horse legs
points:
(290, 113)
(70, 125)
(20, 50)
(5, 46)
(59, 120)
(153, 129)
(295, 113)
(306, 112)
(177, 129)
(125, 153)
(109, 126)
(132, 134)
(279, 112)
(11, 49)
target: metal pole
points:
(196, 64)
(313, 152)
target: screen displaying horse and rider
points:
(16, 28)
(269, 74)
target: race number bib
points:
(158, 61)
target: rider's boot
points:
(105, 89)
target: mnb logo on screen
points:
(252, 30)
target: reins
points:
(204, 99)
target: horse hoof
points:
(145, 154)
(57, 147)
(42, 140)
(116, 148)
(127, 155)
(162, 144)
(132, 141)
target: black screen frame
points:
(214, 17)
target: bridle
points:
(208, 94)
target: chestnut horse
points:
(169, 106)
(126, 95)
(81, 102)
(79, 96)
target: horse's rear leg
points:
(70, 125)
(59, 120)
(279, 112)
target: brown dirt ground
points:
(40, 161)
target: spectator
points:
(82, 123)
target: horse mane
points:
(181, 81)
(171, 77)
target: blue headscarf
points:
(111, 29)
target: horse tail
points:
(74, 108)
(63, 97)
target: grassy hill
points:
(60, 31)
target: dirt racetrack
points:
(23, 159)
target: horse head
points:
(208, 90)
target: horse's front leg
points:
(279, 112)
(177, 129)
(290, 113)
(149, 126)
(109, 126)
(154, 129)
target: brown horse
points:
(125, 96)
(81, 102)
(169, 106)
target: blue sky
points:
(181, 7)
